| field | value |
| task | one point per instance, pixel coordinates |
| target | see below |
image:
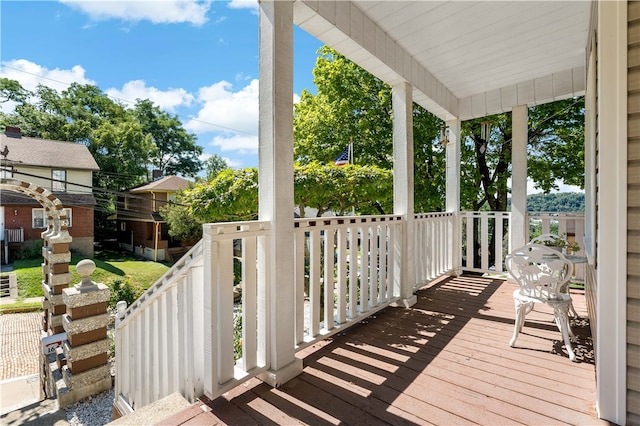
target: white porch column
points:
(611, 237)
(402, 102)
(275, 175)
(518, 227)
(453, 192)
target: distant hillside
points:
(562, 202)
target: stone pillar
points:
(87, 371)
(57, 277)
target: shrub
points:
(122, 289)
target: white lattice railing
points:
(160, 338)
(435, 245)
(346, 269)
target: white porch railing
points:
(14, 235)
(247, 242)
(481, 231)
(160, 338)
(180, 335)
(478, 231)
(435, 245)
(346, 269)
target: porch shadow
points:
(445, 360)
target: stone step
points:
(155, 412)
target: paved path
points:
(19, 344)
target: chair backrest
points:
(540, 271)
(545, 239)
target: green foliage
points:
(122, 289)
(352, 104)
(31, 249)
(231, 196)
(174, 151)
(182, 224)
(214, 165)
(367, 189)
(555, 153)
(237, 332)
(560, 202)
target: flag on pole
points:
(344, 157)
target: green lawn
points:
(109, 266)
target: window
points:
(58, 180)
(39, 218)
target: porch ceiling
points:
(464, 59)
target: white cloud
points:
(235, 114)
(167, 100)
(158, 12)
(244, 4)
(30, 74)
(242, 144)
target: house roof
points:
(10, 198)
(165, 184)
(464, 59)
(47, 153)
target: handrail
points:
(166, 280)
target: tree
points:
(174, 151)
(351, 103)
(555, 152)
(182, 224)
(231, 196)
(325, 187)
(214, 165)
(12, 90)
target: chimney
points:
(13, 132)
(156, 174)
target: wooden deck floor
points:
(444, 361)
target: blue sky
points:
(195, 59)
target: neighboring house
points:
(64, 168)
(140, 226)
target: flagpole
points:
(351, 150)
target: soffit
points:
(471, 52)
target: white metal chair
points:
(542, 275)
(549, 240)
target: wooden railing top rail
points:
(334, 221)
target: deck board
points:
(444, 361)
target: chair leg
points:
(522, 309)
(561, 314)
(573, 312)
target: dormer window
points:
(59, 180)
